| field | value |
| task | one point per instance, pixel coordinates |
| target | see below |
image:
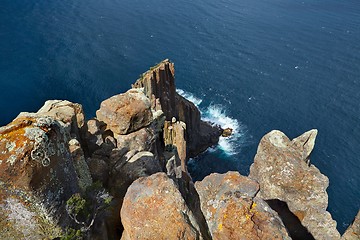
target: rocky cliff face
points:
(35, 159)
(159, 87)
(123, 175)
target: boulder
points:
(70, 114)
(353, 231)
(283, 170)
(35, 158)
(232, 210)
(227, 132)
(127, 112)
(130, 167)
(153, 208)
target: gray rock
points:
(284, 172)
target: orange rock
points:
(232, 210)
(153, 208)
(126, 113)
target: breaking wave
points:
(216, 114)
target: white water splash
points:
(216, 114)
(190, 97)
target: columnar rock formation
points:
(159, 87)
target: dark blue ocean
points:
(253, 65)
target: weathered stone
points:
(233, 212)
(353, 231)
(68, 113)
(93, 134)
(283, 171)
(153, 208)
(35, 157)
(81, 167)
(159, 86)
(174, 138)
(22, 216)
(127, 112)
(141, 140)
(99, 169)
(226, 132)
(131, 167)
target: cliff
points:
(123, 175)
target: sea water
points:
(252, 65)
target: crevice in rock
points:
(192, 200)
(292, 223)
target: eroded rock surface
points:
(159, 86)
(353, 231)
(284, 172)
(153, 208)
(127, 112)
(233, 211)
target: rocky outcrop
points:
(159, 86)
(233, 211)
(41, 158)
(130, 167)
(23, 216)
(153, 208)
(174, 139)
(353, 231)
(126, 113)
(283, 170)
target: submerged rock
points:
(153, 208)
(284, 172)
(227, 132)
(232, 210)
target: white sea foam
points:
(190, 97)
(216, 114)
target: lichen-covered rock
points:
(153, 208)
(22, 216)
(283, 171)
(353, 231)
(35, 159)
(232, 210)
(127, 112)
(71, 115)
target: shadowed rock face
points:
(283, 171)
(159, 87)
(233, 211)
(353, 232)
(153, 208)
